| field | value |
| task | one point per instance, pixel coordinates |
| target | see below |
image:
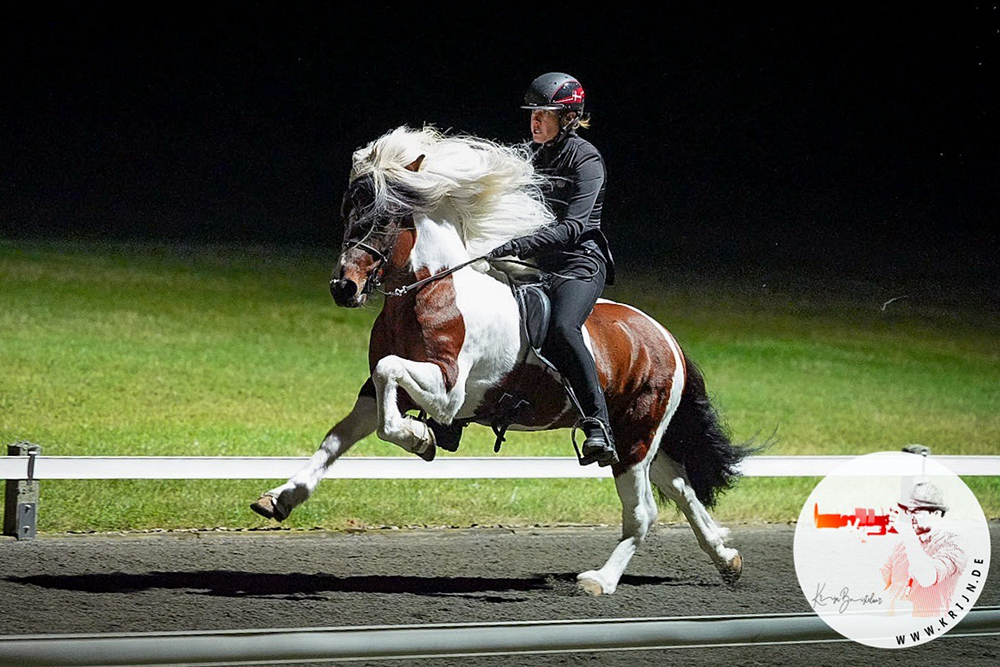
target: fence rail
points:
(24, 467)
(400, 467)
(470, 639)
(255, 646)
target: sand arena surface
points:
(217, 580)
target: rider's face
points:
(544, 126)
(924, 521)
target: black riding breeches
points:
(573, 293)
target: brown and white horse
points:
(421, 203)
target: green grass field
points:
(223, 351)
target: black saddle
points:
(536, 312)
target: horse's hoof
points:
(428, 454)
(732, 570)
(267, 506)
(591, 584)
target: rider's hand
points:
(509, 249)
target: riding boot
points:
(447, 436)
(599, 444)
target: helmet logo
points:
(573, 96)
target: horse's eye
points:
(355, 232)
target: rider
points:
(573, 251)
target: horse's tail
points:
(697, 439)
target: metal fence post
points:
(21, 498)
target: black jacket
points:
(576, 195)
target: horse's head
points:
(378, 237)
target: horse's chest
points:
(426, 326)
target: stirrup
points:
(605, 455)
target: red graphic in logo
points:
(863, 517)
(575, 97)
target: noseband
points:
(375, 277)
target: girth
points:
(535, 314)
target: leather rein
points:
(374, 283)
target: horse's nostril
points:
(343, 290)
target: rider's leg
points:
(573, 299)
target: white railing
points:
(405, 467)
(254, 646)
(235, 647)
(24, 471)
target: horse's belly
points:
(529, 398)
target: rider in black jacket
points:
(574, 250)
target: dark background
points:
(859, 137)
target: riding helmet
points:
(555, 91)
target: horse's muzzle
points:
(345, 293)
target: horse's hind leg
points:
(669, 477)
(280, 501)
(638, 514)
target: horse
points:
(420, 207)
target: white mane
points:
(493, 189)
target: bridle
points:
(374, 281)
(401, 291)
(375, 276)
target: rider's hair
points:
(572, 121)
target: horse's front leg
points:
(362, 420)
(424, 383)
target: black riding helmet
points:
(555, 91)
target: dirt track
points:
(205, 581)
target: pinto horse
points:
(420, 207)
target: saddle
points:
(536, 312)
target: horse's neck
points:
(438, 246)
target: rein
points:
(401, 291)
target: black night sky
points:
(858, 135)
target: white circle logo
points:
(892, 549)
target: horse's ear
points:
(415, 165)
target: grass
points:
(123, 349)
